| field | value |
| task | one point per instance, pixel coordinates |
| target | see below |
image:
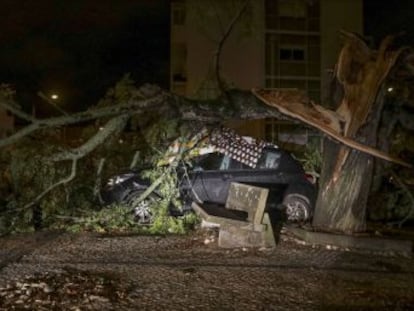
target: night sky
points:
(387, 17)
(79, 48)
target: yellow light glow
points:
(54, 96)
(390, 89)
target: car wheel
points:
(142, 210)
(143, 213)
(297, 208)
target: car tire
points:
(298, 208)
(142, 210)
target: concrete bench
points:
(242, 221)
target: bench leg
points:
(269, 234)
(231, 236)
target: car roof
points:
(244, 149)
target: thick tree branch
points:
(115, 125)
(13, 108)
(246, 106)
(223, 40)
(63, 181)
(293, 105)
(98, 180)
(132, 106)
(51, 103)
(134, 160)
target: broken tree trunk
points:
(347, 167)
(347, 173)
(342, 199)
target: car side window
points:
(237, 165)
(225, 164)
(217, 161)
(270, 159)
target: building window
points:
(293, 15)
(291, 54)
(292, 46)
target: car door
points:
(267, 173)
(213, 173)
(217, 182)
(209, 181)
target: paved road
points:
(52, 271)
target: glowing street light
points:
(54, 96)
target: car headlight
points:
(116, 180)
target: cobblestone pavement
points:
(50, 271)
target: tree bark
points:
(342, 200)
(347, 174)
(341, 205)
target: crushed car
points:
(220, 157)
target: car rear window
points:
(269, 159)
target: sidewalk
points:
(91, 271)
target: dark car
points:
(208, 180)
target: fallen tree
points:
(348, 154)
(53, 166)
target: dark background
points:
(80, 48)
(389, 17)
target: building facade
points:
(274, 44)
